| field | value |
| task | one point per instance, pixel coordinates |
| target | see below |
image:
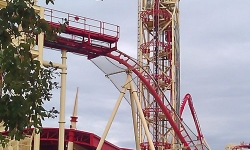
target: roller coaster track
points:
(94, 43)
(166, 109)
(238, 147)
(188, 99)
(241, 146)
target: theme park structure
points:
(238, 146)
(152, 80)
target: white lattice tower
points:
(158, 53)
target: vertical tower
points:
(158, 54)
(73, 122)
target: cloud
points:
(214, 69)
(215, 60)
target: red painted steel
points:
(85, 25)
(188, 99)
(165, 110)
(242, 145)
(92, 37)
(87, 140)
(79, 47)
(92, 50)
(86, 33)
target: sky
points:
(215, 44)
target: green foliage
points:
(25, 84)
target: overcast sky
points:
(215, 51)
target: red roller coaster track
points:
(242, 145)
(188, 99)
(97, 40)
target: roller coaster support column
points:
(124, 88)
(139, 108)
(62, 102)
(127, 86)
(137, 142)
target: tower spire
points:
(74, 114)
(73, 123)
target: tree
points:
(25, 85)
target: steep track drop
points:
(188, 99)
(92, 41)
